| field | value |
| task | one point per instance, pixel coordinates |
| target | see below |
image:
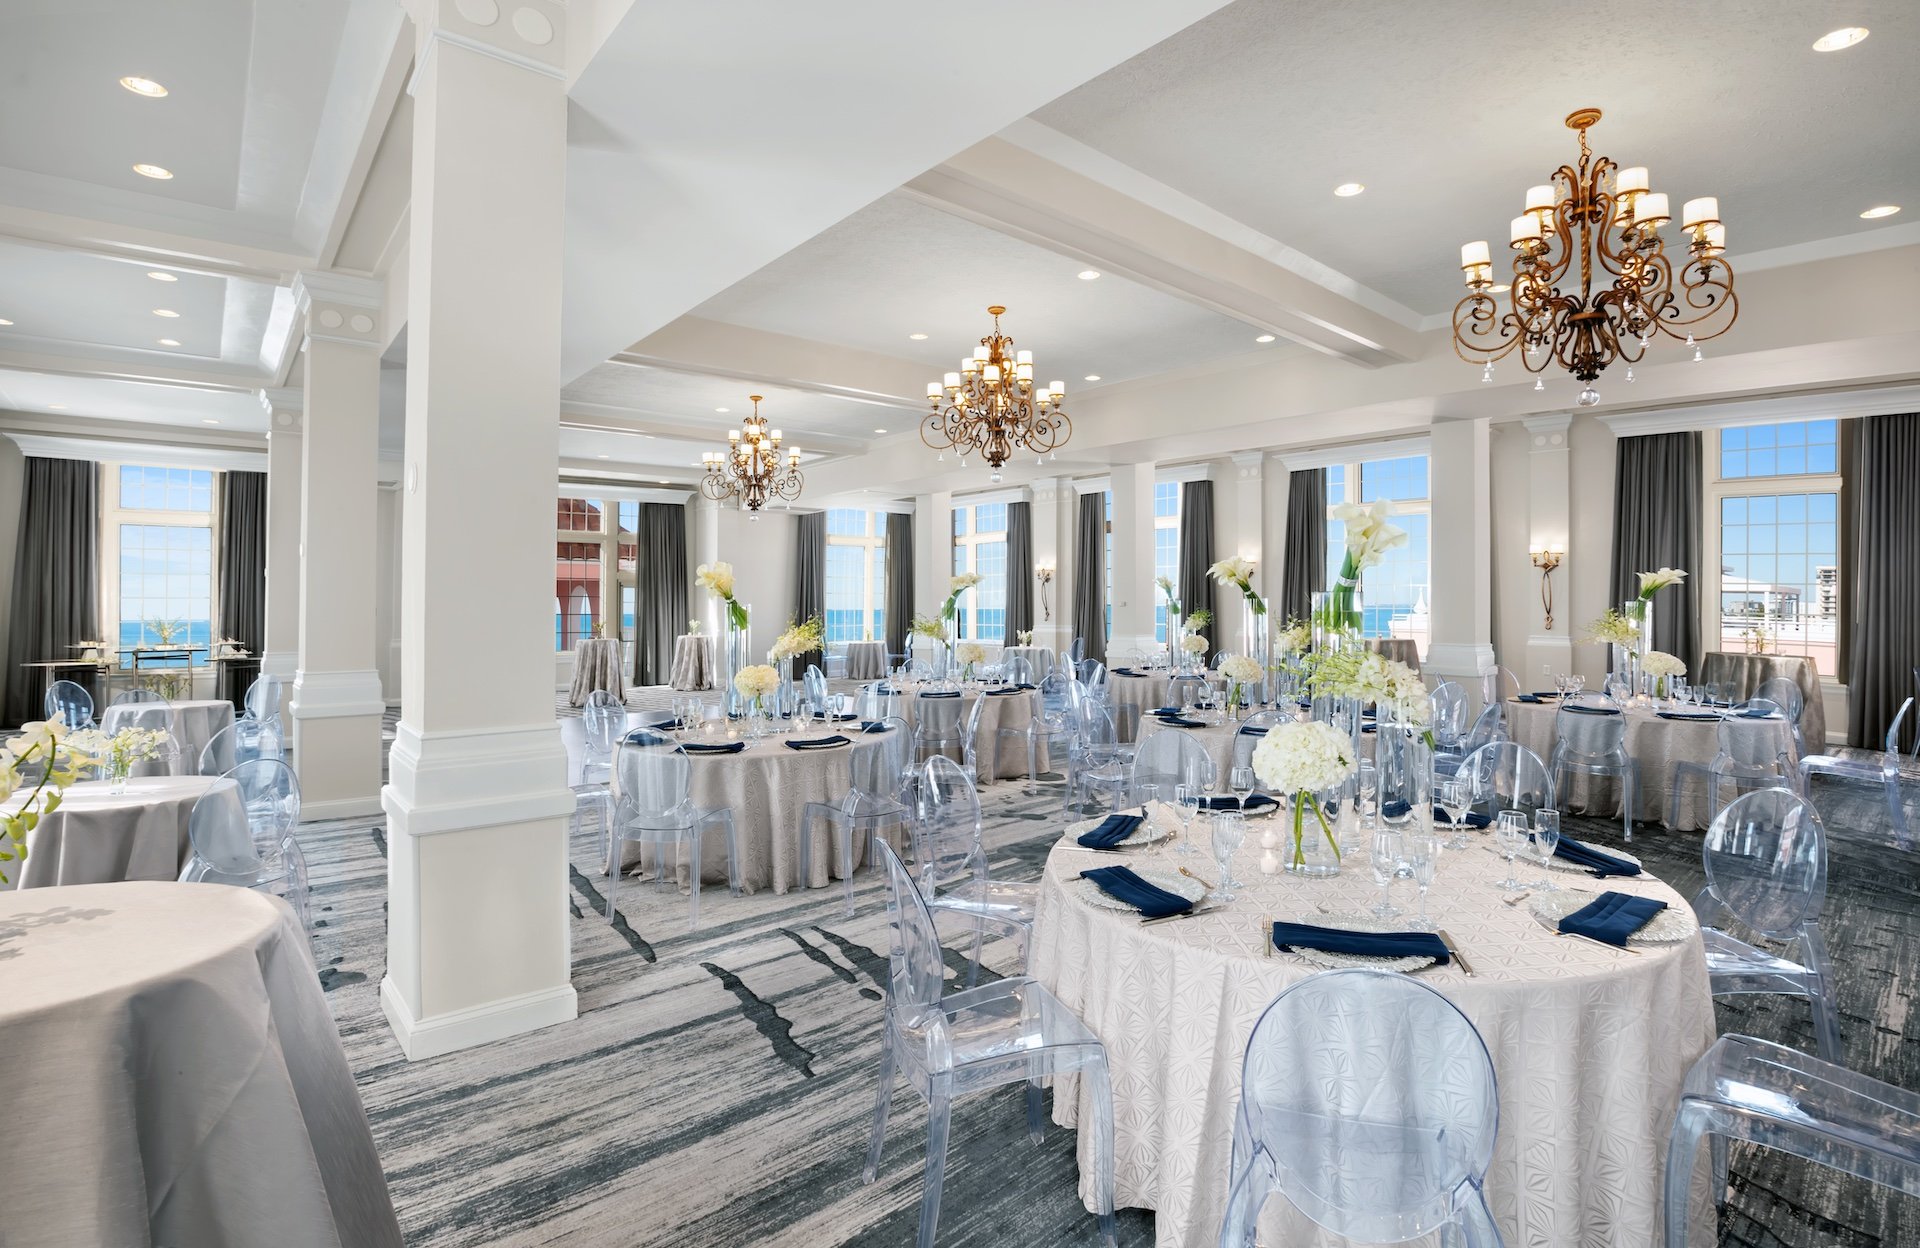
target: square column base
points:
(337, 717)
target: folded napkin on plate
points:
(1253, 731)
(1753, 712)
(1122, 884)
(1393, 810)
(1164, 710)
(1687, 715)
(1369, 727)
(1179, 721)
(702, 747)
(1225, 801)
(942, 693)
(872, 725)
(1592, 710)
(1026, 685)
(840, 719)
(1598, 864)
(1612, 917)
(1361, 944)
(1528, 697)
(1126, 671)
(817, 743)
(1112, 830)
(1000, 693)
(647, 736)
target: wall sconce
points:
(1547, 558)
(1045, 577)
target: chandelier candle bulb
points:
(1713, 241)
(1024, 357)
(952, 383)
(1058, 389)
(934, 388)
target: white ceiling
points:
(1448, 112)
(82, 400)
(663, 401)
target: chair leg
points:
(979, 939)
(693, 878)
(1626, 797)
(613, 878)
(846, 860)
(1897, 812)
(939, 1115)
(1826, 1019)
(1683, 1147)
(879, 1134)
(1100, 1093)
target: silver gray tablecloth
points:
(694, 665)
(194, 724)
(96, 837)
(1003, 710)
(1040, 658)
(1746, 672)
(184, 1084)
(1400, 649)
(596, 665)
(866, 660)
(1655, 744)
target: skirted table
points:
(1013, 709)
(596, 666)
(866, 660)
(694, 666)
(1039, 658)
(97, 836)
(194, 724)
(1747, 672)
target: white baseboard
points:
(480, 1024)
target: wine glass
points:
(803, 715)
(1240, 780)
(1510, 834)
(1575, 683)
(1423, 857)
(1367, 790)
(1187, 797)
(1383, 855)
(1546, 839)
(1229, 831)
(1456, 798)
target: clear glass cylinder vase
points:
(1176, 654)
(1404, 765)
(736, 651)
(1312, 847)
(1338, 615)
(1256, 628)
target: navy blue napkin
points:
(1361, 944)
(1126, 671)
(1598, 864)
(946, 693)
(1000, 693)
(1592, 710)
(873, 725)
(1612, 917)
(840, 719)
(1164, 710)
(1253, 730)
(1026, 685)
(1226, 801)
(1369, 728)
(646, 736)
(1754, 712)
(1693, 715)
(817, 743)
(702, 747)
(1122, 884)
(1112, 830)
(1543, 693)
(1177, 721)
(1527, 697)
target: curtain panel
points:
(1192, 583)
(56, 577)
(899, 581)
(1883, 654)
(809, 578)
(661, 609)
(243, 559)
(1090, 576)
(1303, 571)
(1658, 512)
(1019, 570)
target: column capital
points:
(339, 308)
(1249, 465)
(529, 34)
(285, 407)
(1550, 430)
(1045, 489)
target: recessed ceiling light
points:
(606, 457)
(1091, 377)
(917, 337)
(58, 407)
(153, 171)
(1501, 289)
(721, 410)
(208, 420)
(879, 430)
(1264, 338)
(169, 342)
(1845, 37)
(1347, 190)
(158, 276)
(1884, 210)
(1087, 275)
(148, 87)
(166, 312)
(4, 322)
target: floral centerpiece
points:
(1238, 573)
(1194, 644)
(950, 609)
(1640, 608)
(45, 756)
(1166, 587)
(1369, 538)
(717, 579)
(1302, 759)
(1198, 620)
(968, 654)
(930, 628)
(168, 632)
(1610, 629)
(115, 755)
(1240, 671)
(1662, 667)
(754, 683)
(1024, 636)
(1294, 638)
(1653, 582)
(693, 628)
(806, 637)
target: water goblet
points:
(1575, 683)
(1510, 834)
(1546, 839)
(1423, 857)
(803, 715)
(1229, 831)
(1367, 791)
(1187, 797)
(1383, 855)
(1456, 798)
(1241, 781)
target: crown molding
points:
(1355, 453)
(1805, 405)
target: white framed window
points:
(1394, 592)
(856, 575)
(594, 553)
(1166, 549)
(980, 545)
(157, 557)
(1772, 540)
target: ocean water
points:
(135, 632)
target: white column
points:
(1549, 523)
(1133, 589)
(285, 454)
(1461, 471)
(932, 551)
(705, 545)
(477, 807)
(337, 702)
(1051, 542)
(1246, 508)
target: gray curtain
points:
(56, 576)
(1090, 575)
(243, 559)
(1019, 570)
(1884, 640)
(809, 577)
(1657, 518)
(1303, 571)
(660, 590)
(899, 581)
(1193, 584)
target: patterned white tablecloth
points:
(1003, 710)
(98, 837)
(694, 664)
(596, 666)
(866, 660)
(1590, 1045)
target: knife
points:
(1455, 951)
(1180, 914)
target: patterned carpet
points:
(717, 1088)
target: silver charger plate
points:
(1354, 921)
(1146, 834)
(1672, 924)
(1175, 883)
(1558, 863)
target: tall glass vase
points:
(1176, 656)
(1404, 765)
(1639, 612)
(736, 653)
(1257, 628)
(1338, 616)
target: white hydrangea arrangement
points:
(755, 682)
(969, 653)
(1660, 665)
(1240, 669)
(1303, 759)
(717, 579)
(1193, 643)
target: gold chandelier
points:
(750, 468)
(991, 407)
(1607, 219)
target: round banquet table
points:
(1143, 693)
(1003, 710)
(188, 1086)
(1039, 658)
(694, 665)
(596, 666)
(1589, 1044)
(866, 660)
(194, 724)
(98, 837)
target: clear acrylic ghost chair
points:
(1751, 753)
(1497, 686)
(1447, 703)
(1505, 776)
(239, 826)
(1051, 720)
(1170, 757)
(262, 701)
(651, 806)
(875, 800)
(1792, 703)
(952, 863)
(813, 687)
(937, 727)
(1016, 670)
(970, 746)
(133, 697)
(242, 741)
(1096, 760)
(298, 890)
(1595, 745)
(603, 723)
(1180, 688)
(878, 700)
(155, 716)
(1489, 728)
(1766, 862)
(68, 702)
(945, 1047)
(1885, 769)
(836, 664)
(1779, 1098)
(1369, 1102)
(1253, 730)
(1078, 651)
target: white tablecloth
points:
(185, 1084)
(96, 837)
(1655, 744)
(694, 665)
(596, 665)
(1003, 710)
(1590, 1045)
(1039, 657)
(866, 660)
(194, 724)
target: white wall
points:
(12, 494)
(386, 624)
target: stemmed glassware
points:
(1187, 797)
(1367, 791)
(1241, 781)
(1456, 798)
(1510, 834)
(1546, 839)
(1229, 830)
(803, 715)
(1384, 857)
(1423, 858)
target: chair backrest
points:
(1756, 743)
(878, 769)
(1489, 729)
(1893, 733)
(970, 738)
(69, 703)
(915, 967)
(218, 830)
(604, 722)
(1245, 742)
(263, 698)
(1094, 732)
(1055, 696)
(128, 697)
(1375, 1100)
(1448, 703)
(875, 704)
(1506, 776)
(1170, 757)
(1590, 735)
(947, 833)
(1015, 670)
(603, 698)
(1181, 687)
(1498, 685)
(270, 792)
(1783, 693)
(813, 685)
(1078, 651)
(242, 741)
(1766, 861)
(650, 787)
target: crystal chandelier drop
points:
(750, 469)
(991, 406)
(1605, 220)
